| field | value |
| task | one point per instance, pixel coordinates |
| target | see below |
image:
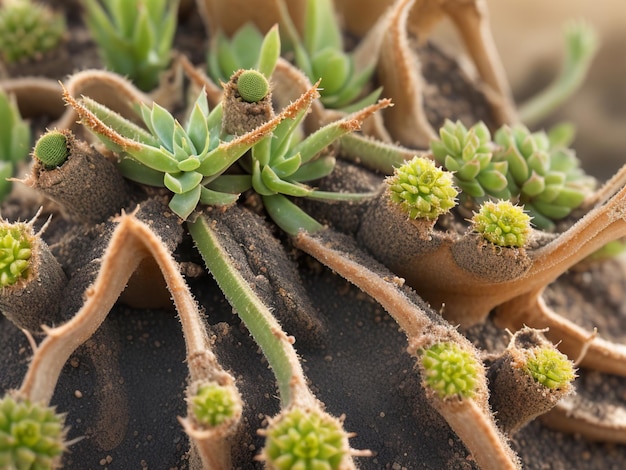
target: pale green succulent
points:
(320, 55)
(51, 149)
(28, 30)
(550, 367)
(225, 56)
(421, 189)
(15, 138)
(31, 436)
(468, 153)
(306, 440)
(502, 223)
(545, 177)
(15, 252)
(134, 37)
(450, 371)
(214, 404)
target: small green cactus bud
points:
(252, 86)
(449, 370)
(502, 223)
(306, 440)
(550, 367)
(52, 149)
(31, 436)
(468, 154)
(15, 252)
(421, 189)
(214, 404)
(28, 29)
(546, 177)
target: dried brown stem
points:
(423, 327)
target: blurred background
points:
(530, 40)
(529, 37)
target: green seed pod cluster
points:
(28, 30)
(252, 86)
(546, 178)
(550, 367)
(52, 149)
(502, 223)
(421, 189)
(449, 370)
(214, 404)
(305, 439)
(15, 252)
(31, 436)
(468, 153)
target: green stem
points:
(257, 317)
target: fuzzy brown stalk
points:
(87, 185)
(240, 116)
(516, 397)
(35, 300)
(423, 327)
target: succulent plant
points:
(15, 252)
(51, 149)
(468, 153)
(213, 404)
(252, 86)
(545, 178)
(449, 371)
(421, 189)
(502, 223)
(227, 55)
(31, 436)
(14, 140)
(549, 367)
(305, 439)
(134, 37)
(28, 30)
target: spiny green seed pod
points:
(468, 154)
(545, 178)
(502, 223)
(252, 86)
(31, 436)
(449, 370)
(549, 367)
(214, 404)
(15, 253)
(305, 440)
(421, 189)
(28, 29)
(52, 149)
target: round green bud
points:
(502, 223)
(214, 404)
(252, 86)
(52, 149)
(449, 370)
(421, 189)
(15, 252)
(31, 436)
(305, 439)
(550, 367)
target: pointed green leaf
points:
(274, 183)
(135, 171)
(288, 166)
(270, 52)
(182, 182)
(163, 124)
(288, 216)
(184, 204)
(197, 128)
(216, 198)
